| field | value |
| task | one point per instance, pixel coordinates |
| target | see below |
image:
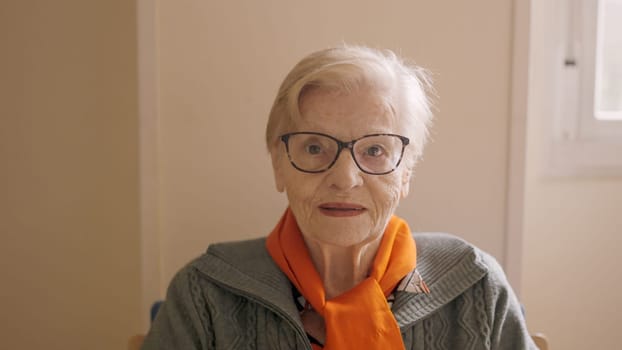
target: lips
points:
(338, 209)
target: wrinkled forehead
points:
(352, 112)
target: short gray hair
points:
(405, 88)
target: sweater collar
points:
(448, 264)
(246, 269)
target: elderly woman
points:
(340, 270)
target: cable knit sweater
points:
(235, 297)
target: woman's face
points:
(342, 206)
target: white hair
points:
(404, 88)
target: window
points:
(587, 128)
(608, 80)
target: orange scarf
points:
(359, 318)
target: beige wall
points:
(572, 229)
(69, 244)
(69, 205)
(220, 64)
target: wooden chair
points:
(541, 342)
(135, 342)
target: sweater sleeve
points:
(183, 318)
(508, 327)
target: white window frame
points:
(579, 144)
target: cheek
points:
(387, 195)
(300, 192)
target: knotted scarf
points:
(359, 318)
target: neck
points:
(342, 268)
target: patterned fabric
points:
(234, 297)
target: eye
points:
(374, 151)
(313, 149)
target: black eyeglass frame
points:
(341, 145)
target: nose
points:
(345, 174)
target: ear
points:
(277, 167)
(406, 174)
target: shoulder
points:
(431, 245)
(442, 257)
(469, 286)
(452, 266)
(227, 271)
(226, 261)
(226, 277)
(245, 267)
(248, 256)
(443, 251)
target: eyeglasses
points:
(314, 152)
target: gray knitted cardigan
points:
(235, 297)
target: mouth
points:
(341, 209)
